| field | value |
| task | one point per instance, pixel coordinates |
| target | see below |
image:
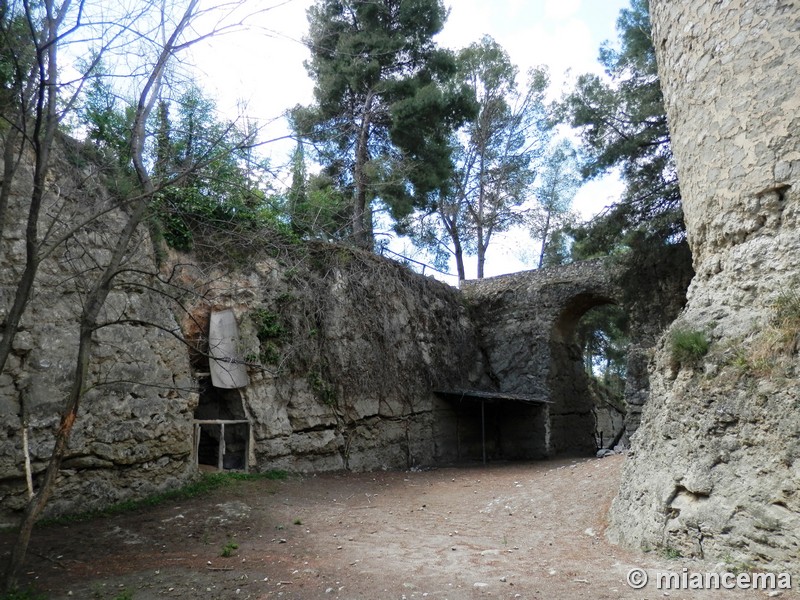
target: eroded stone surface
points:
(714, 470)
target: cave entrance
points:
(222, 445)
(221, 429)
(587, 376)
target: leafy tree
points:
(18, 74)
(498, 161)
(213, 178)
(603, 335)
(558, 182)
(108, 121)
(496, 156)
(558, 250)
(315, 206)
(385, 103)
(622, 123)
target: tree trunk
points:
(483, 245)
(362, 218)
(94, 300)
(94, 303)
(545, 233)
(37, 503)
(44, 131)
(458, 251)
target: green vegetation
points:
(385, 104)
(124, 594)
(497, 155)
(761, 354)
(785, 321)
(687, 347)
(271, 333)
(558, 184)
(623, 124)
(207, 483)
(603, 336)
(229, 549)
(671, 553)
(323, 389)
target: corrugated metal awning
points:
(491, 396)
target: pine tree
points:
(385, 103)
(623, 125)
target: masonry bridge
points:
(527, 324)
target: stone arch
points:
(526, 323)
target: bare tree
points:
(40, 100)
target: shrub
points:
(785, 323)
(687, 347)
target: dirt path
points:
(524, 531)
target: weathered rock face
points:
(344, 373)
(526, 327)
(344, 351)
(133, 436)
(527, 322)
(715, 469)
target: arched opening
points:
(602, 334)
(586, 377)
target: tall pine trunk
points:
(362, 217)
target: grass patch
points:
(229, 549)
(784, 326)
(687, 347)
(207, 483)
(767, 350)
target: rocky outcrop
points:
(134, 435)
(344, 351)
(714, 469)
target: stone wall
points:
(526, 324)
(715, 469)
(358, 345)
(133, 435)
(345, 350)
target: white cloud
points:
(561, 9)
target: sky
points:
(262, 70)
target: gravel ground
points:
(522, 530)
